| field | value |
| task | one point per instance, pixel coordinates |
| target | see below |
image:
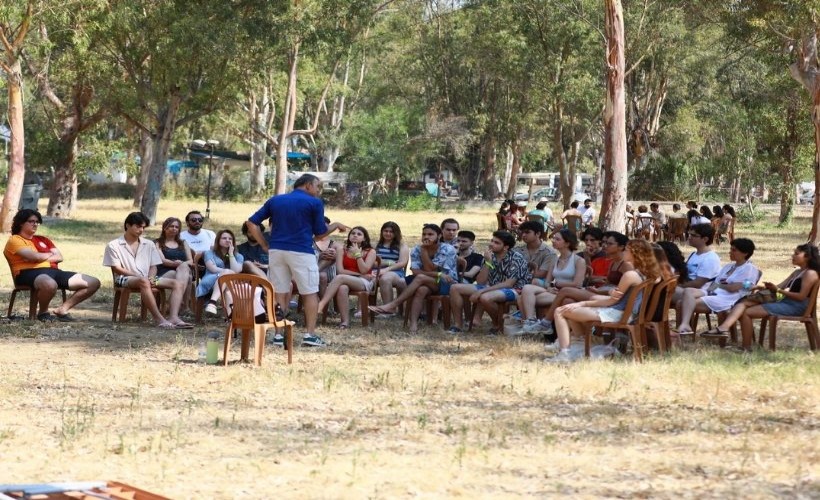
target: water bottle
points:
(212, 348)
(747, 285)
(203, 351)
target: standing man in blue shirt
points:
(295, 219)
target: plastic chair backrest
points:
(642, 289)
(241, 287)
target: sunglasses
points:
(196, 219)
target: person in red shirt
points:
(33, 260)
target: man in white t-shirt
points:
(200, 240)
(587, 213)
(703, 264)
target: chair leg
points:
(228, 333)
(812, 331)
(763, 322)
(258, 344)
(289, 342)
(246, 344)
(587, 340)
(125, 294)
(772, 332)
(11, 303)
(32, 304)
(364, 301)
(637, 347)
(445, 312)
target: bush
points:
(405, 202)
(747, 216)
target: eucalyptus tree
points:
(69, 76)
(15, 22)
(178, 61)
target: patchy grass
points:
(383, 414)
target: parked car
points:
(549, 193)
(806, 198)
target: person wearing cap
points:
(542, 210)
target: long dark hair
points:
(813, 254)
(165, 224)
(396, 243)
(706, 212)
(676, 260)
(365, 244)
(570, 237)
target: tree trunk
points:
(516, 165)
(160, 144)
(489, 189)
(63, 193)
(790, 143)
(613, 205)
(259, 116)
(566, 170)
(146, 153)
(288, 117)
(17, 165)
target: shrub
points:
(408, 203)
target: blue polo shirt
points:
(294, 219)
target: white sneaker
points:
(564, 356)
(538, 326)
(210, 308)
(553, 347)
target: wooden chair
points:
(809, 320)
(241, 287)
(364, 298)
(636, 329)
(573, 223)
(659, 303)
(444, 302)
(502, 222)
(644, 226)
(121, 297)
(32, 302)
(676, 229)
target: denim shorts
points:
(510, 294)
(786, 307)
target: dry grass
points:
(381, 414)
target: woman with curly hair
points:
(573, 317)
(353, 273)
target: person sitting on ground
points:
(540, 257)
(395, 255)
(134, 260)
(573, 318)
(506, 272)
(221, 260)
(792, 297)
(469, 261)
(568, 270)
(543, 211)
(595, 256)
(255, 259)
(733, 282)
(434, 269)
(354, 266)
(449, 231)
(33, 261)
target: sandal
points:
(183, 325)
(680, 333)
(167, 325)
(714, 332)
(343, 326)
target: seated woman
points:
(572, 318)
(543, 211)
(675, 259)
(614, 244)
(220, 260)
(568, 271)
(434, 269)
(353, 273)
(395, 255)
(732, 282)
(325, 250)
(792, 293)
(177, 258)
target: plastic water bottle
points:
(203, 352)
(212, 348)
(747, 285)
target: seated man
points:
(469, 262)
(505, 273)
(33, 260)
(540, 257)
(134, 260)
(256, 259)
(587, 213)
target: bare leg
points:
(311, 303)
(410, 291)
(45, 288)
(343, 300)
(747, 326)
(687, 304)
(457, 294)
(144, 287)
(85, 286)
(419, 297)
(566, 296)
(577, 315)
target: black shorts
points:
(27, 276)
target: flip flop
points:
(378, 309)
(714, 332)
(681, 332)
(166, 325)
(183, 325)
(66, 318)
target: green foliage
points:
(405, 202)
(746, 215)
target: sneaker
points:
(358, 314)
(278, 340)
(552, 347)
(311, 339)
(211, 308)
(538, 326)
(515, 315)
(293, 304)
(564, 356)
(454, 330)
